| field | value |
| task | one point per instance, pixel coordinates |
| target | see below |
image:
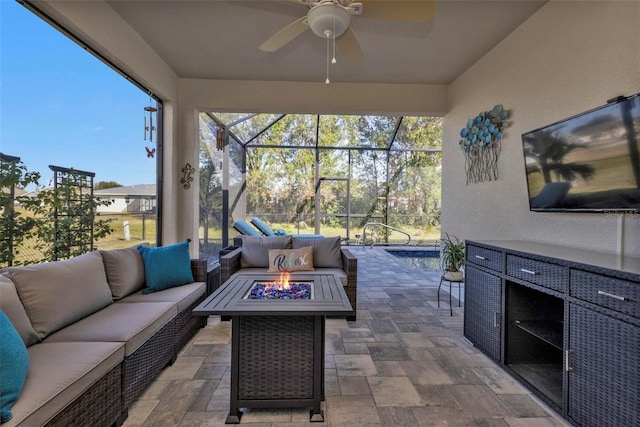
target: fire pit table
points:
(277, 340)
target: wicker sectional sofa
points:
(95, 340)
(249, 255)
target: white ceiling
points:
(217, 39)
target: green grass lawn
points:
(117, 240)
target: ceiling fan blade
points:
(399, 10)
(285, 35)
(349, 48)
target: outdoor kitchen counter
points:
(329, 298)
(277, 346)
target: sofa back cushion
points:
(12, 306)
(125, 271)
(56, 294)
(326, 251)
(255, 250)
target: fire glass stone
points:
(263, 290)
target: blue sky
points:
(59, 105)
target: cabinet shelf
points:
(546, 378)
(549, 331)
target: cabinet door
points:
(482, 311)
(605, 375)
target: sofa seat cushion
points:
(183, 296)
(12, 306)
(125, 270)
(338, 272)
(132, 323)
(56, 294)
(58, 373)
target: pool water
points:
(427, 260)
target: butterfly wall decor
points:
(150, 152)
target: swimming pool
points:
(423, 259)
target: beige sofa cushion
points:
(132, 324)
(183, 296)
(12, 306)
(56, 294)
(291, 259)
(58, 373)
(326, 251)
(125, 271)
(255, 250)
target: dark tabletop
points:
(329, 298)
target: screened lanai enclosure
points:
(320, 174)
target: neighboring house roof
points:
(130, 190)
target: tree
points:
(549, 149)
(54, 224)
(17, 225)
(68, 224)
(103, 185)
(210, 189)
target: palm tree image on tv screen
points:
(589, 162)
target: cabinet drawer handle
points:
(567, 361)
(481, 257)
(524, 270)
(618, 297)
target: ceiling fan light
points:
(321, 18)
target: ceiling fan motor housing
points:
(321, 19)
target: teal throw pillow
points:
(166, 267)
(14, 363)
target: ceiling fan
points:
(331, 19)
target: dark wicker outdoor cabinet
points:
(482, 311)
(566, 324)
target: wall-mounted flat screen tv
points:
(586, 163)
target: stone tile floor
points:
(404, 362)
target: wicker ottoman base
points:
(277, 362)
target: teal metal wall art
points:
(481, 144)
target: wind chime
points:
(149, 128)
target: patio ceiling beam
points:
(266, 128)
(325, 147)
(395, 133)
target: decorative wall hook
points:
(187, 176)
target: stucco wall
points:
(567, 58)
